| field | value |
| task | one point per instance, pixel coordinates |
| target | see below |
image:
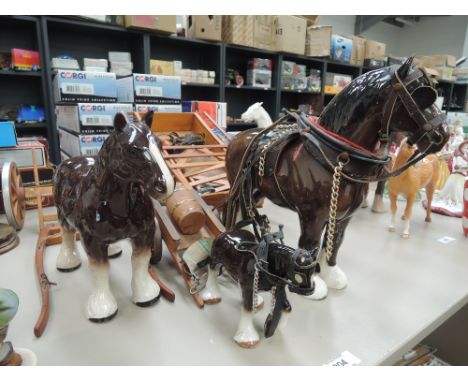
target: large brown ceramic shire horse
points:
(370, 106)
(107, 199)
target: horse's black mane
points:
(354, 101)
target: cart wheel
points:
(156, 251)
(14, 199)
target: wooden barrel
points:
(185, 211)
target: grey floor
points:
(399, 291)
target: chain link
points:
(333, 207)
(255, 289)
(273, 300)
(280, 130)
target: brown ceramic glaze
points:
(282, 261)
(107, 197)
(356, 114)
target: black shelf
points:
(57, 35)
(299, 92)
(247, 87)
(197, 85)
(38, 125)
(20, 73)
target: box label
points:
(68, 88)
(149, 91)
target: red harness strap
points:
(339, 137)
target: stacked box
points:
(120, 63)
(147, 88)
(341, 48)
(89, 118)
(216, 110)
(144, 108)
(80, 144)
(318, 41)
(259, 78)
(72, 86)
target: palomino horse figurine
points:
(409, 182)
(257, 113)
(294, 167)
(108, 198)
(267, 265)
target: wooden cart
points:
(200, 167)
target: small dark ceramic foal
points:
(284, 265)
(108, 198)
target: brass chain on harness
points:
(255, 290)
(343, 160)
(281, 130)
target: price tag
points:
(345, 359)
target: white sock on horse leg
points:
(211, 293)
(145, 289)
(246, 335)
(101, 303)
(405, 233)
(68, 257)
(333, 276)
(320, 289)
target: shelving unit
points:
(53, 36)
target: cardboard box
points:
(77, 144)
(90, 118)
(22, 154)
(27, 60)
(290, 34)
(442, 60)
(260, 63)
(341, 48)
(259, 78)
(216, 110)
(144, 108)
(204, 27)
(8, 134)
(148, 88)
(334, 82)
(71, 86)
(318, 41)
(253, 31)
(375, 49)
(358, 51)
(165, 68)
(166, 24)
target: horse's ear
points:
(120, 121)
(405, 67)
(260, 103)
(148, 118)
(424, 96)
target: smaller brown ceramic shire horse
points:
(378, 102)
(108, 198)
(278, 266)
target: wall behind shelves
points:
(448, 34)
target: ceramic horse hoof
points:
(333, 276)
(378, 206)
(68, 259)
(148, 303)
(102, 306)
(391, 229)
(114, 251)
(320, 290)
(365, 203)
(405, 235)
